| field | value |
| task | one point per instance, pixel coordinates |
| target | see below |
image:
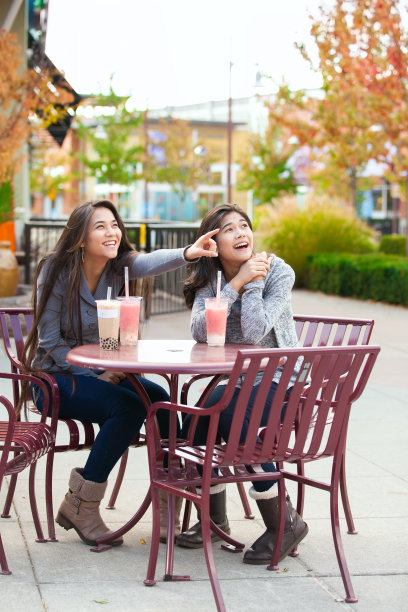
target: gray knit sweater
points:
(262, 315)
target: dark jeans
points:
(225, 422)
(118, 410)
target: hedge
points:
(383, 278)
(393, 244)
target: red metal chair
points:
(311, 330)
(332, 331)
(15, 323)
(339, 377)
(26, 443)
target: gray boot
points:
(295, 530)
(193, 537)
(80, 509)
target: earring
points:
(82, 254)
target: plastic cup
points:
(129, 320)
(108, 324)
(216, 319)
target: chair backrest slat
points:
(314, 330)
(14, 318)
(20, 322)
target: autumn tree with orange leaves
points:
(388, 80)
(22, 93)
(344, 127)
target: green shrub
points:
(379, 277)
(293, 233)
(393, 245)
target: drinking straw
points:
(108, 297)
(127, 282)
(218, 285)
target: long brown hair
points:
(66, 256)
(206, 268)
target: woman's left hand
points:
(112, 377)
(205, 246)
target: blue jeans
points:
(225, 422)
(118, 410)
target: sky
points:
(174, 52)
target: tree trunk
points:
(353, 189)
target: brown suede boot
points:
(193, 537)
(80, 509)
(295, 530)
(163, 515)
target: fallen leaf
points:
(100, 601)
(142, 541)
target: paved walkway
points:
(65, 576)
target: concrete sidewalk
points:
(65, 576)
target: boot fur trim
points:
(214, 488)
(86, 489)
(269, 494)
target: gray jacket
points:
(262, 315)
(53, 324)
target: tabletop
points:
(156, 356)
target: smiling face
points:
(103, 237)
(234, 240)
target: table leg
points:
(103, 543)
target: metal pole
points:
(229, 133)
(146, 156)
(27, 258)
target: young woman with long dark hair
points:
(89, 257)
(258, 289)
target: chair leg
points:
(169, 576)
(154, 546)
(33, 504)
(277, 545)
(344, 496)
(10, 495)
(300, 498)
(118, 482)
(49, 498)
(338, 545)
(244, 501)
(209, 558)
(168, 573)
(300, 488)
(3, 560)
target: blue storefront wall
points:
(168, 206)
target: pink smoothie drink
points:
(129, 320)
(216, 319)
